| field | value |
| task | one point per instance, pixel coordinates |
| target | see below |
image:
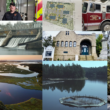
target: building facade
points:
(71, 46)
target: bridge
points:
(20, 26)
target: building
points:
(71, 46)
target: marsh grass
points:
(18, 81)
(31, 104)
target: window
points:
(48, 53)
(66, 44)
(85, 6)
(67, 32)
(62, 44)
(57, 43)
(108, 8)
(74, 44)
(65, 52)
(70, 44)
(97, 7)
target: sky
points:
(54, 33)
(20, 57)
(82, 63)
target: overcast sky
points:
(54, 33)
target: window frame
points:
(66, 45)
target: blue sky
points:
(82, 63)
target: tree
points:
(99, 44)
(48, 42)
(103, 0)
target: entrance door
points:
(85, 51)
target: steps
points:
(86, 58)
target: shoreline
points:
(68, 78)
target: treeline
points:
(99, 72)
(73, 71)
(61, 71)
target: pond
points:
(11, 94)
(53, 92)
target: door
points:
(84, 51)
(94, 17)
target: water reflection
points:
(11, 93)
(101, 80)
(53, 92)
(68, 86)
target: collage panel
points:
(21, 55)
(20, 38)
(74, 46)
(23, 10)
(108, 69)
(63, 15)
(78, 85)
(96, 15)
(20, 82)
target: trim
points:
(91, 24)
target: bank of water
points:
(53, 92)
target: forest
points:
(73, 71)
(61, 71)
(100, 72)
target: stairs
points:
(86, 58)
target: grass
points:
(31, 104)
(33, 81)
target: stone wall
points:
(34, 45)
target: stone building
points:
(72, 46)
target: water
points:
(19, 75)
(11, 94)
(1, 40)
(53, 92)
(17, 51)
(17, 40)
